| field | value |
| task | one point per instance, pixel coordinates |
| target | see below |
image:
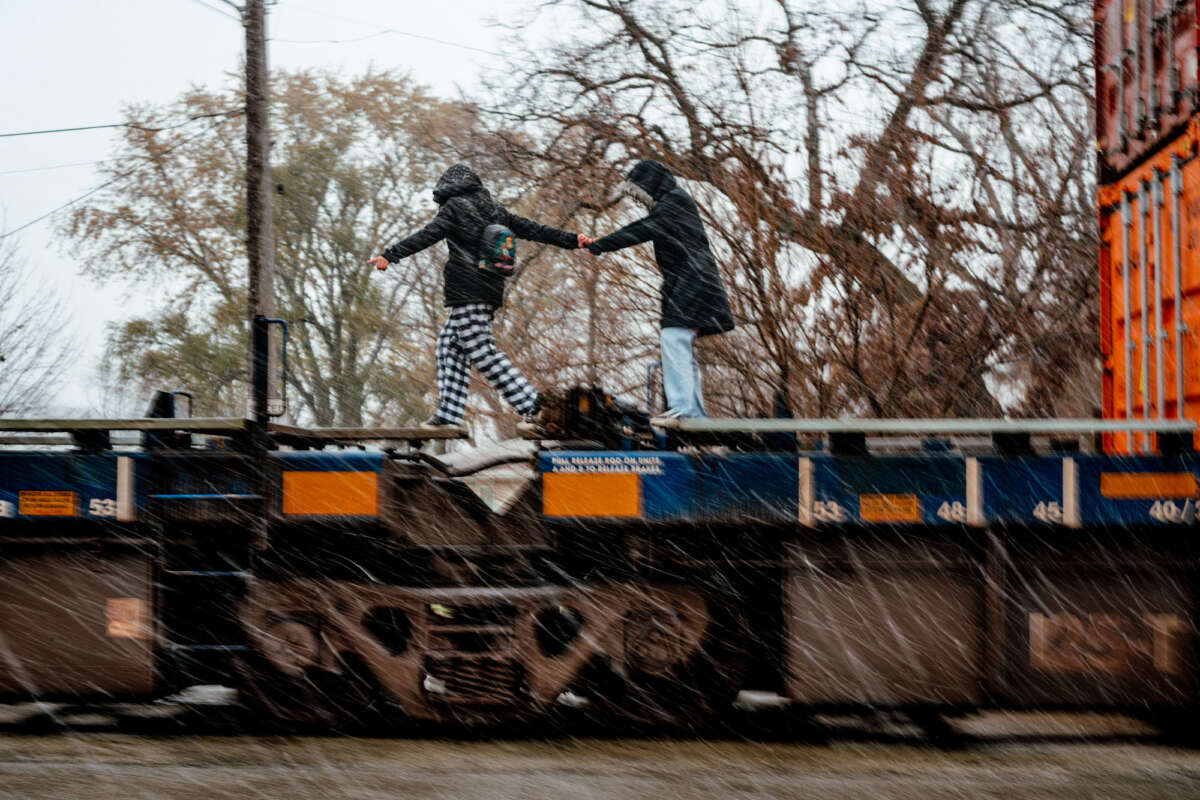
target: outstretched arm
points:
(532, 231)
(433, 232)
(642, 230)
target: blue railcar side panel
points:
(91, 478)
(930, 489)
(669, 494)
(1098, 510)
(1022, 490)
(938, 483)
(748, 486)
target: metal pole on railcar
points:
(1126, 227)
(1160, 333)
(1144, 204)
(1176, 236)
(260, 229)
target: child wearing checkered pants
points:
(467, 339)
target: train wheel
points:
(291, 689)
(661, 689)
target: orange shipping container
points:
(1146, 77)
(1150, 290)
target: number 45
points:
(1048, 512)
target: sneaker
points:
(670, 416)
(437, 423)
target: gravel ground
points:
(1019, 757)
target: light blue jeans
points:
(681, 373)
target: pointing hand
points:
(379, 261)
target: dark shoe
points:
(437, 423)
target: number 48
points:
(953, 512)
(1048, 512)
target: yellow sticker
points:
(48, 504)
(317, 494)
(592, 494)
(126, 618)
(889, 508)
(1148, 485)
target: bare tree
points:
(34, 348)
(900, 190)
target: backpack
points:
(497, 250)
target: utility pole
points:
(260, 229)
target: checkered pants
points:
(467, 339)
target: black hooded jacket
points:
(692, 293)
(466, 209)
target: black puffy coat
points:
(692, 293)
(466, 209)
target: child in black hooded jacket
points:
(693, 297)
(472, 294)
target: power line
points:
(68, 204)
(122, 176)
(220, 11)
(131, 125)
(50, 167)
(384, 32)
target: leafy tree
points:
(353, 161)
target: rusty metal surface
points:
(76, 620)
(424, 510)
(1100, 637)
(480, 646)
(867, 623)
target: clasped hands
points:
(587, 241)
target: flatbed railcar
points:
(651, 572)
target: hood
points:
(457, 180)
(651, 177)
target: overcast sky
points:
(70, 63)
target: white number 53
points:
(102, 508)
